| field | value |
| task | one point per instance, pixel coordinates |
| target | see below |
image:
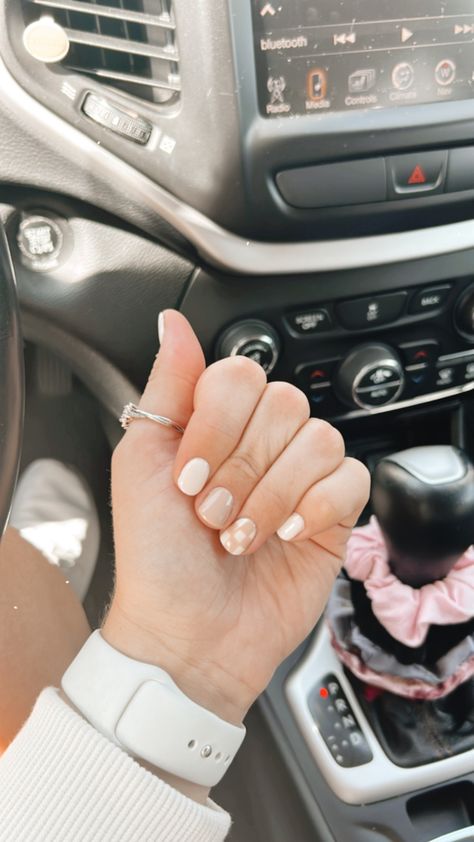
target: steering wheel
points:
(12, 389)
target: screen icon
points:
(362, 80)
(445, 72)
(403, 76)
(276, 88)
(317, 84)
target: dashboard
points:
(297, 176)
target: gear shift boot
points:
(413, 733)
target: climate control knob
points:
(253, 339)
(370, 376)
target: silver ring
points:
(132, 413)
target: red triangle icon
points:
(418, 176)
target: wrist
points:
(204, 682)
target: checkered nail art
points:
(238, 537)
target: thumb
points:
(177, 368)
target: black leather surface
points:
(11, 384)
(413, 733)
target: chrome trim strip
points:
(453, 358)
(219, 247)
(121, 45)
(126, 77)
(464, 835)
(161, 21)
(378, 779)
(419, 401)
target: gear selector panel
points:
(337, 724)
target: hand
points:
(220, 605)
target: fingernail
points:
(216, 508)
(161, 326)
(238, 537)
(193, 477)
(291, 528)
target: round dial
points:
(253, 339)
(464, 314)
(370, 376)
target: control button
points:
(380, 376)
(445, 72)
(357, 368)
(379, 396)
(130, 126)
(350, 748)
(429, 299)
(424, 172)
(460, 170)
(317, 84)
(462, 363)
(464, 314)
(253, 339)
(334, 185)
(420, 353)
(447, 377)
(40, 240)
(314, 375)
(310, 322)
(371, 312)
(362, 81)
(403, 76)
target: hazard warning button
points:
(420, 173)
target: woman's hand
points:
(205, 587)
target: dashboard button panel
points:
(423, 172)
(338, 724)
(335, 185)
(429, 299)
(361, 313)
(310, 322)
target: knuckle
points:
(290, 397)
(240, 370)
(327, 438)
(243, 464)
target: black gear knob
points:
(424, 501)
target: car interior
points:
(297, 178)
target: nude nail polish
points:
(291, 528)
(161, 326)
(238, 537)
(217, 507)
(194, 476)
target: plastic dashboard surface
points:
(235, 151)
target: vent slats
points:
(162, 21)
(121, 43)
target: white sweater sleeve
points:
(62, 781)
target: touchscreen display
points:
(317, 56)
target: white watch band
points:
(141, 709)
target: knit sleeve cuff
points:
(61, 779)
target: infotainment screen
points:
(317, 56)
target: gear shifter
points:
(423, 499)
(402, 617)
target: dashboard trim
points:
(224, 249)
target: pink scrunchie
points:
(407, 613)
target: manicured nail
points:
(291, 528)
(216, 508)
(161, 326)
(194, 476)
(238, 537)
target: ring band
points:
(132, 413)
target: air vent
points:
(126, 44)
